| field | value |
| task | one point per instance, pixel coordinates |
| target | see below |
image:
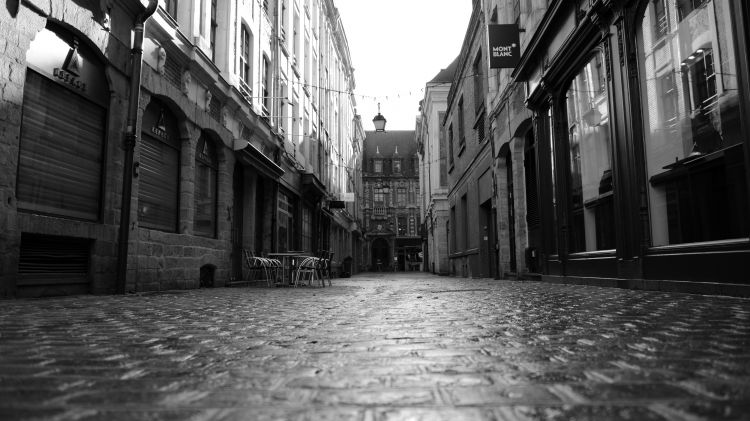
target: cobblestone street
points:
(378, 347)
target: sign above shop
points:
(505, 47)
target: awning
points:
(312, 187)
(251, 156)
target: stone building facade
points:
(617, 143)
(390, 201)
(433, 170)
(213, 170)
(471, 188)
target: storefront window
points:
(286, 223)
(306, 228)
(206, 174)
(547, 127)
(690, 106)
(590, 192)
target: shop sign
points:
(61, 56)
(505, 47)
(71, 70)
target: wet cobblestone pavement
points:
(378, 347)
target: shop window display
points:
(690, 106)
(590, 187)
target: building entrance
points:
(380, 255)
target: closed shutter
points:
(60, 159)
(159, 180)
(50, 260)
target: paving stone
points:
(378, 347)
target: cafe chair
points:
(256, 266)
(307, 271)
(324, 267)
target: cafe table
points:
(289, 262)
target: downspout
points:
(131, 137)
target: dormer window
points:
(397, 166)
(378, 166)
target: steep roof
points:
(446, 75)
(385, 144)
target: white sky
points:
(397, 46)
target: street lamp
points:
(379, 121)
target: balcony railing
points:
(246, 91)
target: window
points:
(478, 72)
(661, 19)
(245, 60)
(400, 196)
(285, 222)
(63, 130)
(282, 29)
(158, 191)
(461, 135)
(266, 85)
(443, 153)
(295, 39)
(378, 165)
(590, 188)
(202, 17)
(397, 165)
(402, 226)
(306, 229)
(450, 148)
(214, 25)
(206, 187)
(693, 146)
(465, 223)
(170, 6)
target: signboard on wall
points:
(505, 47)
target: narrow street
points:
(405, 346)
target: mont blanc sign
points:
(505, 48)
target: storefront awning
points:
(251, 156)
(312, 187)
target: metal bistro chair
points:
(325, 263)
(255, 265)
(258, 266)
(307, 270)
(274, 268)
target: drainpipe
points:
(131, 136)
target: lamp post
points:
(379, 121)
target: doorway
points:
(380, 254)
(487, 249)
(238, 189)
(511, 211)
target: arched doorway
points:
(380, 254)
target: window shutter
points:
(159, 185)
(60, 159)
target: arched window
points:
(158, 194)
(63, 129)
(690, 105)
(206, 187)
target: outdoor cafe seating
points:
(289, 268)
